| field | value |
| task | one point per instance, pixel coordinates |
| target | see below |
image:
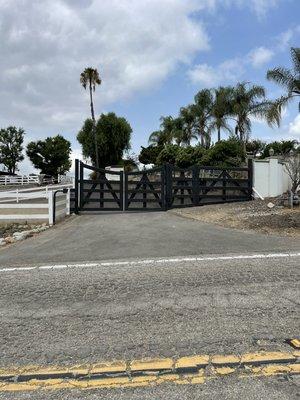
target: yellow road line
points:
(139, 373)
(295, 343)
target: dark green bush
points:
(226, 153)
(281, 148)
(168, 154)
(148, 155)
(188, 156)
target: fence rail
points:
(18, 179)
(34, 204)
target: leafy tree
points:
(185, 132)
(221, 110)
(168, 154)
(160, 138)
(255, 147)
(226, 153)
(249, 101)
(113, 138)
(189, 156)
(11, 147)
(167, 132)
(90, 77)
(282, 148)
(148, 155)
(288, 79)
(51, 156)
(202, 112)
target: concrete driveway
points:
(107, 236)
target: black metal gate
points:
(159, 188)
(201, 185)
(97, 189)
(145, 190)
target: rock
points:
(21, 235)
(9, 239)
(2, 242)
(270, 205)
(35, 230)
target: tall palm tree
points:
(202, 114)
(167, 133)
(160, 138)
(185, 126)
(90, 78)
(221, 110)
(288, 79)
(250, 101)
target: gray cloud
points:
(45, 45)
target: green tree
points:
(90, 77)
(113, 138)
(185, 132)
(51, 156)
(148, 155)
(282, 148)
(168, 154)
(189, 156)
(221, 110)
(201, 110)
(288, 79)
(11, 147)
(250, 101)
(226, 153)
(255, 147)
(160, 138)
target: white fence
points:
(270, 177)
(6, 180)
(18, 179)
(34, 205)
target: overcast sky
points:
(152, 55)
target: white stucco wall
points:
(270, 178)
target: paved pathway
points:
(132, 235)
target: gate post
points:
(250, 177)
(195, 185)
(76, 185)
(81, 185)
(168, 185)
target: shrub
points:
(189, 156)
(281, 148)
(148, 155)
(168, 154)
(225, 153)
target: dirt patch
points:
(252, 215)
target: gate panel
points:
(182, 181)
(201, 185)
(100, 189)
(145, 190)
(223, 185)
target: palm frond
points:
(295, 53)
(282, 76)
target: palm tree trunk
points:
(94, 126)
(219, 133)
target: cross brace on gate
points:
(160, 188)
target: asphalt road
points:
(84, 314)
(157, 309)
(134, 235)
